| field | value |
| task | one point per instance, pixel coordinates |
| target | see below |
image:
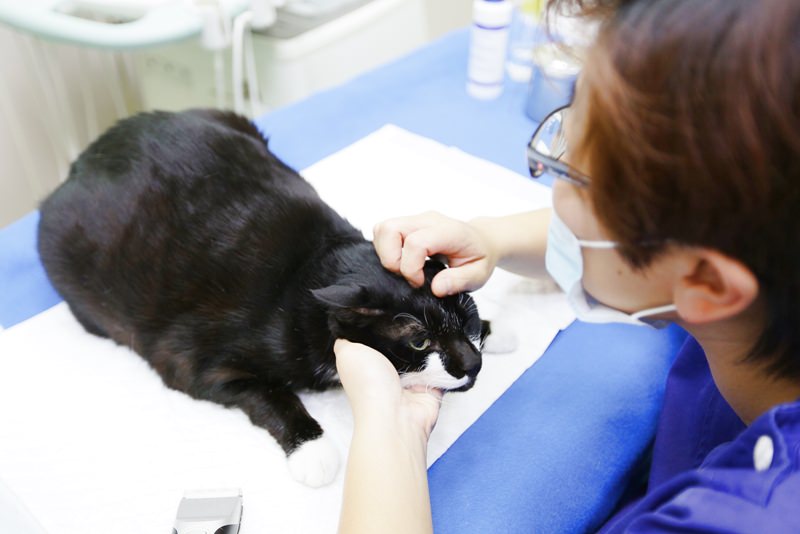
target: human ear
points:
(714, 287)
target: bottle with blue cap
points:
(491, 20)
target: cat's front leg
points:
(312, 458)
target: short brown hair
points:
(693, 136)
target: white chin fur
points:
(314, 463)
(433, 375)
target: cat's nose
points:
(473, 370)
(471, 363)
(464, 358)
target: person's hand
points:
(373, 387)
(404, 243)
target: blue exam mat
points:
(553, 453)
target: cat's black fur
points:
(183, 237)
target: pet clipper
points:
(209, 512)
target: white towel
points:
(92, 441)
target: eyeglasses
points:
(546, 147)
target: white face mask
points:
(564, 262)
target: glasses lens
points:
(549, 140)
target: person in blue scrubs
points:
(676, 199)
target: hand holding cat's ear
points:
(403, 244)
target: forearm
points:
(386, 482)
(520, 240)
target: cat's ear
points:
(351, 297)
(432, 267)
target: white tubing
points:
(252, 77)
(219, 78)
(240, 25)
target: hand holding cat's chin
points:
(376, 397)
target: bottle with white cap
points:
(491, 20)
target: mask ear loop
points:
(597, 244)
(643, 313)
(654, 311)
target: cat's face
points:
(430, 341)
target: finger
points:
(388, 237)
(467, 277)
(362, 366)
(349, 356)
(348, 369)
(342, 349)
(423, 243)
(412, 259)
(341, 345)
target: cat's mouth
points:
(434, 375)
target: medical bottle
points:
(491, 20)
(524, 34)
(557, 63)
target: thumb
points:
(362, 367)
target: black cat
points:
(183, 237)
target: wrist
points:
(490, 231)
(394, 427)
(519, 241)
(386, 485)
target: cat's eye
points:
(420, 345)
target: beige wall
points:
(54, 99)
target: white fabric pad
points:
(91, 441)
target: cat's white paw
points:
(501, 340)
(315, 463)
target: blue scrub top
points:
(711, 473)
